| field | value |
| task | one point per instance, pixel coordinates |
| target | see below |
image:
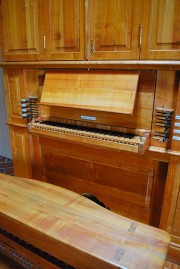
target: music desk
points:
(45, 226)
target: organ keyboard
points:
(137, 142)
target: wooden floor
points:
(6, 263)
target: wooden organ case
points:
(92, 136)
(77, 144)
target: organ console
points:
(113, 134)
(45, 226)
(92, 132)
(94, 103)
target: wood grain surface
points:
(76, 230)
(111, 91)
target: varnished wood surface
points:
(171, 207)
(107, 91)
(146, 64)
(76, 230)
(42, 30)
(96, 30)
(125, 189)
(160, 26)
(107, 23)
(142, 114)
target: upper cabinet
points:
(21, 29)
(90, 29)
(43, 29)
(161, 33)
(113, 29)
(64, 32)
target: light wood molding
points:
(154, 65)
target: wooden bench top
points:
(76, 230)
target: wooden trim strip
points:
(161, 65)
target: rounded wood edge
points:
(160, 65)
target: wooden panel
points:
(114, 28)
(20, 151)
(67, 165)
(131, 182)
(65, 29)
(134, 184)
(106, 157)
(157, 194)
(21, 29)
(100, 91)
(176, 226)
(171, 193)
(15, 90)
(161, 36)
(19, 84)
(87, 234)
(125, 188)
(170, 211)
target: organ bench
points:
(45, 226)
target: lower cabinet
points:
(117, 179)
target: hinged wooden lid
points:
(110, 91)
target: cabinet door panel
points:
(21, 29)
(20, 151)
(65, 31)
(161, 38)
(15, 90)
(19, 84)
(114, 29)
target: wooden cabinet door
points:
(161, 30)
(114, 29)
(64, 30)
(21, 29)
